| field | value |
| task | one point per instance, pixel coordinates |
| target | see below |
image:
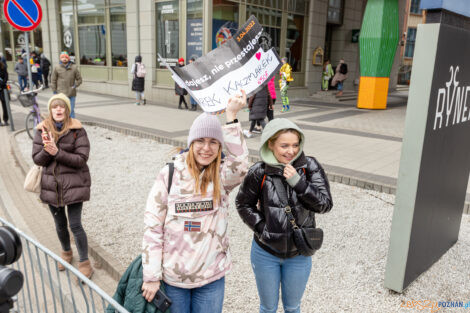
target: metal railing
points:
(45, 289)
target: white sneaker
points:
(256, 131)
(247, 133)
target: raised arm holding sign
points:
(238, 64)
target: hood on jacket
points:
(75, 124)
(270, 130)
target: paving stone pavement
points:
(356, 147)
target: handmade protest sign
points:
(238, 64)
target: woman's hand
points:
(49, 144)
(150, 289)
(289, 171)
(234, 105)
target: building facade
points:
(104, 36)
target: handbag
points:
(306, 239)
(32, 181)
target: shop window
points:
(91, 32)
(194, 29)
(410, 42)
(274, 4)
(168, 31)
(335, 12)
(297, 6)
(271, 22)
(224, 21)
(414, 7)
(68, 34)
(118, 36)
(294, 46)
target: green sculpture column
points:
(377, 43)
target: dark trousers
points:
(254, 122)
(182, 99)
(4, 105)
(74, 213)
(46, 78)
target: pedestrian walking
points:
(185, 240)
(65, 79)
(191, 99)
(36, 72)
(284, 189)
(3, 86)
(272, 93)
(45, 69)
(61, 147)
(340, 76)
(286, 77)
(180, 91)
(138, 82)
(258, 105)
(21, 70)
(327, 74)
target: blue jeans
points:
(271, 272)
(206, 299)
(340, 86)
(23, 81)
(72, 104)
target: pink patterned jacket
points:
(185, 239)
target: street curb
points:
(102, 258)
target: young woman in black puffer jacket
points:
(275, 259)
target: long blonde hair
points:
(50, 123)
(211, 174)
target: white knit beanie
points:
(59, 96)
(206, 125)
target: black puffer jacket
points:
(268, 219)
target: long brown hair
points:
(211, 174)
(50, 123)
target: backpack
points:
(171, 167)
(140, 70)
(343, 69)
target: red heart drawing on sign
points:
(258, 55)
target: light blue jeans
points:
(271, 272)
(72, 104)
(206, 299)
(340, 86)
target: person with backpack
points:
(185, 244)
(61, 147)
(286, 77)
(45, 65)
(180, 91)
(340, 76)
(278, 201)
(138, 82)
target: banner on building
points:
(238, 64)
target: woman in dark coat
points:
(258, 106)
(179, 91)
(275, 258)
(3, 86)
(138, 83)
(61, 147)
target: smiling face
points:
(58, 111)
(205, 150)
(285, 147)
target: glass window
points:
(274, 4)
(271, 22)
(335, 12)
(66, 5)
(224, 21)
(194, 29)
(410, 42)
(295, 34)
(91, 32)
(5, 32)
(68, 38)
(38, 39)
(168, 31)
(118, 36)
(414, 7)
(297, 6)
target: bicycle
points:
(27, 99)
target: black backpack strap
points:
(171, 167)
(281, 190)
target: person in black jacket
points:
(276, 261)
(258, 105)
(180, 91)
(138, 82)
(45, 68)
(3, 86)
